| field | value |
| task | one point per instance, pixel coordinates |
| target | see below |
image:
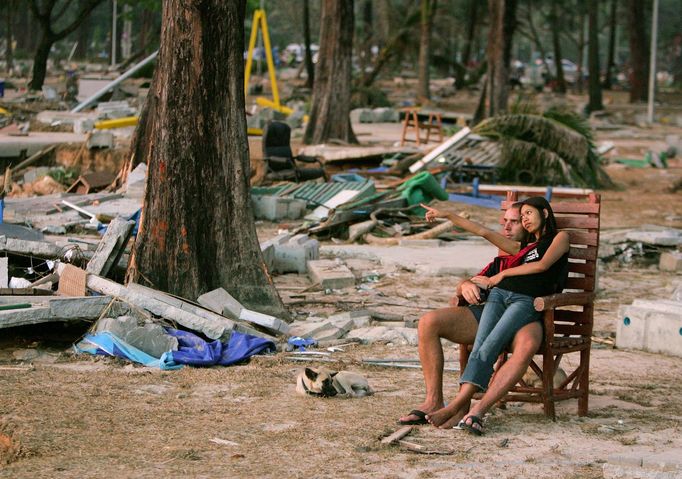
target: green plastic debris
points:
(5, 307)
(422, 188)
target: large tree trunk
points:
(639, 51)
(581, 54)
(309, 66)
(472, 21)
(560, 80)
(365, 50)
(594, 85)
(44, 16)
(9, 5)
(40, 62)
(198, 232)
(610, 64)
(330, 113)
(502, 14)
(427, 9)
(83, 37)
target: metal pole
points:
(114, 34)
(115, 82)
(652, 64)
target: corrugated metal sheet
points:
(317, 193)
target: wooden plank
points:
(582, 330)
(589, 253)
(579, 222)
(588, 269)
(585, 284)
(397, 435)
(583, 238)
(110, 248)
(576, 317)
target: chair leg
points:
(548, 385)
(584, 382)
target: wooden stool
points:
(434, 121)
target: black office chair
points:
(280, 161)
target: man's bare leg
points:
(526, 343)
(456, 324)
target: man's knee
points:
(528, 339)
(456, 324)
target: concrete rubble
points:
(654, 326)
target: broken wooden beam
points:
(110, 247)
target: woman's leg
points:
(519, 312)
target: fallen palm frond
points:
(553, 148)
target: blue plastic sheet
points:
(107, 344)
(196, 352)
(192, 349)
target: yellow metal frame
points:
(259, 19)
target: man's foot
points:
(418, 416)
(449, 416)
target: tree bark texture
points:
(198, 232)
(427, 9)
(556, 30)
(330, 113)
(498, 70)
(639, 51)
(9, 5)
(309, 66)
(610, 61)
(472, 9)
(594, 85)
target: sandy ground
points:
(63, 416)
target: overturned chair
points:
(280, 162)
(568, 317)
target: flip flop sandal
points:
(470, 427)
(421, 419)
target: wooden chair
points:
(567, 316)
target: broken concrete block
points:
(275, 208)
(293, 253)
(400, 336)
(87, 308)
(221, 302)
(4, 272)
(654, 326)
(311, 329)
(119, 327)
(385, 115)
(330, 274)
(264, 320)
(670, 261)
(268, 252)
(344, 324)
(152, 339)
(662, 237)
(333, 333)
(101, 139)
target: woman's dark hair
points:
(547, 225)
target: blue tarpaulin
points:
(196, 352)
(192, 350)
